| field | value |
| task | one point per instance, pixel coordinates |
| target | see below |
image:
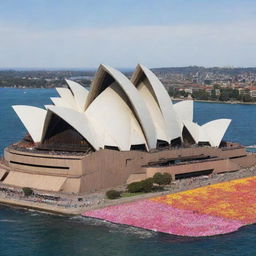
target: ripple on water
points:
(40, 234)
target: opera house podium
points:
(120, 131)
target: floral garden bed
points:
(205, 211)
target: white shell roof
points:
(155, 112)
(78, 121)
(117, 119)
(216, 130)
(33, 119)
(80, 94)
(184, 110)
(172, 128)
(194, 130)
(130, 94)
(60, 102)
(212, 132)
(67, 99)
(121, 113)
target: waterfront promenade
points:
(200, 206)
(69, 204)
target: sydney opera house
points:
(121, 130)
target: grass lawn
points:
(127, 194)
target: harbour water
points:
(24, 232)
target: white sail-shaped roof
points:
(104, 78)
(60, 102)
(120, 113)
(212, 132)
(193, 129)
(184, 110)
(80, 94)
(79, 122)
(198, 133)
(117, 118)
(170, 125)
(33, 119)
(216, 130)
(66, 99)
(155, 112)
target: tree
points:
(200, 95)
(113, 194)
(27, 191)
(235, 94)
(213, 94)
(141, 186)
(162, 178)
(247, 98)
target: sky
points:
(123, 33)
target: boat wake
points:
(6, 220)
(116, 228)
(251, 146)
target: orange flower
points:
(234, 200)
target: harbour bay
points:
(30, 233)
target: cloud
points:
(176, 45)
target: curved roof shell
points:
(110, 111)
(184, 110)
(106, 76)
(216, 130)
(212, 132)
(60, 102)
(80, 94)
(66, 99)
(78, 121)
(119, 113)
(33, 119)
(153, 90)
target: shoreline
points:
(217, 101)
(98, 200)
(173, 99)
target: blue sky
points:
(122, 33)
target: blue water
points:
(11, 129)
(28, 233)
(243, 126)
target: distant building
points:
(217, 92)
(253, 93)
(188, 90)
(241, 91)
(209, 91)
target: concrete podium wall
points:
(105, 169)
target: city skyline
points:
(61, 34)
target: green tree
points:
(27, 191)
(162, 178)
(113, 194)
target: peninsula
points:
(121, 131)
